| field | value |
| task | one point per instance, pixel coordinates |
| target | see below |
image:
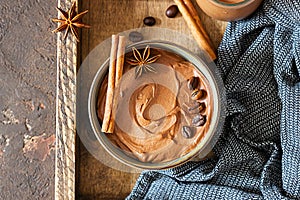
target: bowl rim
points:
(132, 162)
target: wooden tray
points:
(78, 174)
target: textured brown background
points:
(27, 99)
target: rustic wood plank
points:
(107, 17)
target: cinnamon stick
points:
(186, 8)
(118, 75)
(193, 11)
(111, 84)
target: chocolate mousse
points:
(164, 106)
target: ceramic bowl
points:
(217, 119)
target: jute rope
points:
(65, 113)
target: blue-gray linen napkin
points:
(258, 153)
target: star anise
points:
(70, 21)
(142, 62)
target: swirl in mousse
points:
(164, 107)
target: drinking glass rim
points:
(239, 4)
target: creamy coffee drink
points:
(164, 106)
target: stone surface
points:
(27, 98)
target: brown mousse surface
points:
(158, 118)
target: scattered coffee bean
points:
(193, 83)
(196, 94)
(149, 21)
(199, 120)
(135, 36)
(188, 132)
(172, 11)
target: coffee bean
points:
(196, 111)
(149, 21)
(196, 94)
(199, 120)
(197, 108)
(135, 36)
(202, 106)
(188, 132)
(194, 106)
(193, 83)
(172, 11)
